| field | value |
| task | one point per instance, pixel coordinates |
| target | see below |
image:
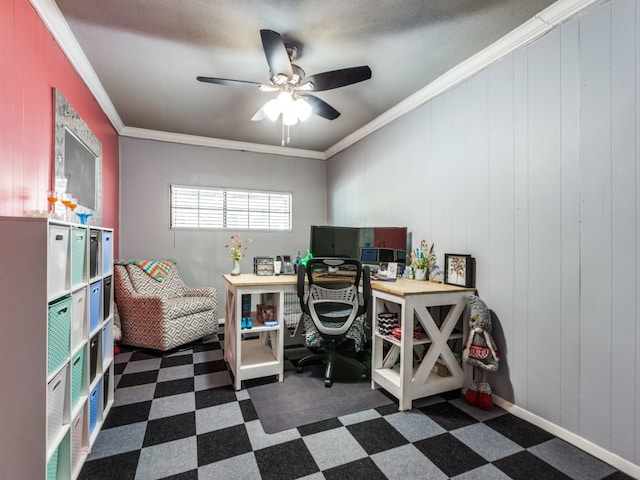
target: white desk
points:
(255, 357)
(402, 379)
(258, 357)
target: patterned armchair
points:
(157, 310)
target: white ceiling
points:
(143, 56)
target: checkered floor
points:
(177, 416)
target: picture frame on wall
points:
(459, 270)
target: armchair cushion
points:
(162, 314)
(171, 286)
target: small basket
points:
(387, 322)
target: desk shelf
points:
(258, 351)
(404, 366)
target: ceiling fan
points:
(293, 102)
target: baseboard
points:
(583, 444)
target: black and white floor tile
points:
(176, 416)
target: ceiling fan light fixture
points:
(302, 109)
(272, 109)
(284, 100)
(289, 117)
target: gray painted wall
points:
(530, 166)
(147, 168)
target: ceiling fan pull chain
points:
(282, 134)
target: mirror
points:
(78, 160)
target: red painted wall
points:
(31, 65)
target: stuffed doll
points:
(480, 351)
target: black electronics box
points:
(263, 266)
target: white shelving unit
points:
(48, 416)
(259, 351)
(404, 367)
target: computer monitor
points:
(386, 255)
(368, 255)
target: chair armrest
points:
(135, 304)
(147, 301)
(200, 292)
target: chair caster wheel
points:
(327, 383)
(363, 377)
(299, 369)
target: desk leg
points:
(406, 358)
(232, 335)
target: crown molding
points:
(526, 33)
(59, 29)
(142, 133)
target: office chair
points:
(334, 309)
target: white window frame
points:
(211, 208)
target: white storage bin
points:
(78, 255)
(107, 343)
(59, 272)
(78, 377)
(77, 434)
(56, 391)
(78, 317)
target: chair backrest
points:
(172, 286)
(329, 292)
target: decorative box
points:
(387, 322)
(441, 369)
(266, 313)
(263, 265)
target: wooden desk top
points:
(402, 286)
(253, 280)
(405, 287)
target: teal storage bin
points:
(52, 466)
(58, 333)
(78, 255)
(77, 372)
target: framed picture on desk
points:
(458, 269)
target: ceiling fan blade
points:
(321, 108)
(231, 83)
(276, 53)
(338, 78)
(259, 115)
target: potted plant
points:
(423, 260)
(236, 251)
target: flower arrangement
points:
(423, 257)
(237, 246)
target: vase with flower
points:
(423, 260)
(236, 247)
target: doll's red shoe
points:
(471, 396)
(484, 401)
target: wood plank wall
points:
(531, 166)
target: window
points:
(201, 207)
